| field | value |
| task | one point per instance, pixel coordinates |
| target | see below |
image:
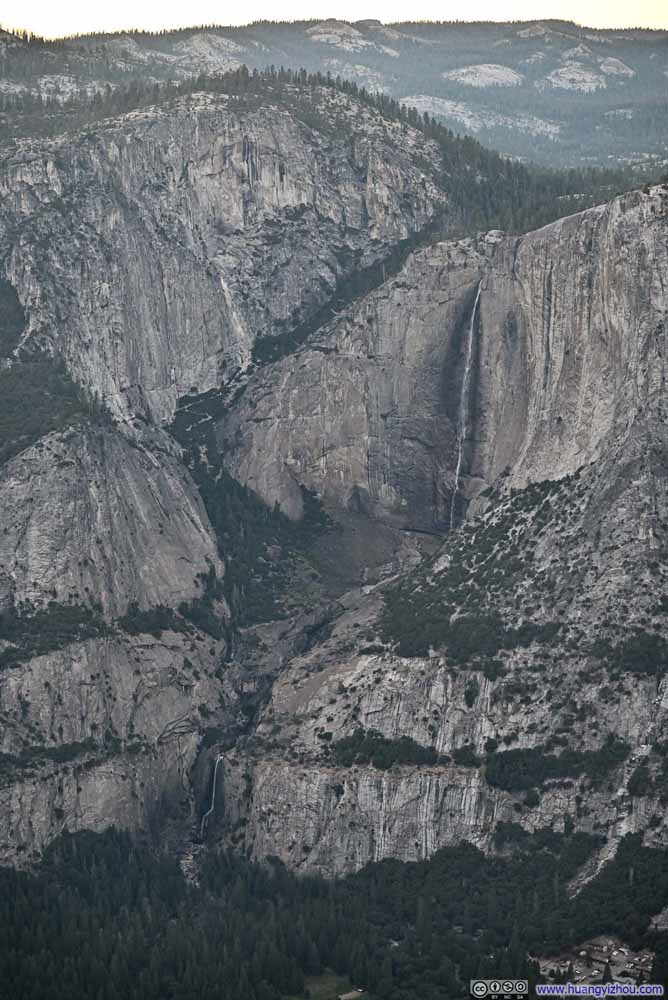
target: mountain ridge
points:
(151, 255)
(570, 83)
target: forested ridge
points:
(485, 190)
(612, 113)
(104, 918)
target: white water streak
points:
(213, 797)
(464, 409)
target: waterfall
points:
(464, 408)
(213, 797)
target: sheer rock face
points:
(155, 249)
(153, 254)
(366, 414)
(90, 516)
(568, 375)
(105, 730)
(573, 339)
(336, 821)
(593, 576)
(108, 731)
(569, 336)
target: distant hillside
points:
(544, 90)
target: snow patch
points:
(358, 72)
(475, 119)
(344, 36)
(615, 67)
(210, 51)
(537, 57)
(401, 36)
(59, 87)
(575, 76)
(533, 31)
(8, 87)
(601, 40)
(579, 52)
(127, 48)
(485, 75)
(619, 113)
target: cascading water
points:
(206, 815)
(464, 409)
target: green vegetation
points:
(37, 396)
(640, 783)
(482, 602)
(353, 282)
(514, 197)
(31, 757)
(466, 756)
(264, 551)
(12, 319)
(639, 653)
(102, 918)
(197, 614)
(371, 747)
(153, 621)
(201, 612)
(34, 631)
(471, 692)
(523, 769)
(418, 624)
(590, 126)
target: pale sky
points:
(62, 17)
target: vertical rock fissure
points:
(206, 815)
(464, 408)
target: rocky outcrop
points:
(567, 416)
(153, 254)
(155, 250)
(366, 414)
(204, 246)
(573, 321)
(336, 821)
(93, 517)
(569, 343)
(103, 730)
(286, 793)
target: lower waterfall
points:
(206, 815)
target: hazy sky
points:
(62, 17)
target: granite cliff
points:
(248, 298)
(137, 254)
(540, 624)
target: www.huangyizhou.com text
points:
(599, 990)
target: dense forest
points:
(103, 918)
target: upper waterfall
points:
(464, 407)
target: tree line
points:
(105, 918)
